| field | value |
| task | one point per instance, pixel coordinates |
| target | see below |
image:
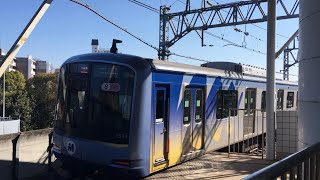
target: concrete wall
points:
(32, 153)
(287, 133)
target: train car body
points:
(138, 116)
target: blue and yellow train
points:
(138, 116)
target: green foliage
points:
(17, 102)
(42, 89)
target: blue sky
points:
(67, 29)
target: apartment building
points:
(43, 67)
(27, 66)
(12, 65)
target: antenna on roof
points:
(114, 48)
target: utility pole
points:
(271, 54)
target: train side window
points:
(226, 99)
(290, 99)
(280, 99)
(199, 105)
(186, 107)
(263, 101)
(160, 106)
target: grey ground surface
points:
(214, 165)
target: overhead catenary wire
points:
(253, 23)
(126, 31)
(234, 28)
(111, 22)
(145, 6)
(222, 38)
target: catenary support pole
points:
(271, 79)
(294, 35)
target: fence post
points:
(49, 151)
(15, 157)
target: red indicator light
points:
(123, 163)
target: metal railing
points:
(304, 164)
(15, 175)
(10, 118)
(246, 131)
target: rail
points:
(304, 164)
(247, 130)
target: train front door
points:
(249, 114)
(193, 120)
(161, 106)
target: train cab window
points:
(280, 99)
(263, 101)
(160, 106)
(226, 99)
(186, 107)
(199, 105)
(290, 99)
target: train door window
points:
(226, 100)
(280, 99)
(160, 106)
(246, 104)
(290, 99)
(199, 105)
(297, 100)
(252, 102)
(249, 118)
(187, 107)
(263, 101)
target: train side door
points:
(197, 120)
(160, 129)
(249, 114)
(193, 120)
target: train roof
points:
(213, 69)
(244, 72)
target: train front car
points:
(102, 112)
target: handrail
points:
(11, 118)
(291, 164)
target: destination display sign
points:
(110, 87)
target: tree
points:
(42, 89)
(17, 102)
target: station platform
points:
(213, 165)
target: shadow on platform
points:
(25, 170)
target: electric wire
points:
(126, 31)
(234, 28)
(257, 25)
(224, 39)
(145, 6)
(111, 22)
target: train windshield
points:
(94, 101)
